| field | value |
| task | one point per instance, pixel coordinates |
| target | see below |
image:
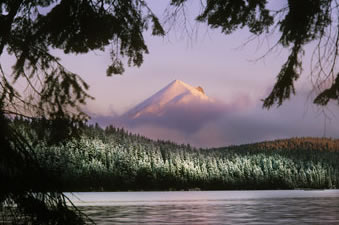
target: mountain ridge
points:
(175, 94)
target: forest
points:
(112, 159)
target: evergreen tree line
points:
(112, 159)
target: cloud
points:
(238, 122)
(187, 118)
(294, 119)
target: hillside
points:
(113, 159)
(303, 143)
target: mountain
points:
(174, 112)
(176, 94)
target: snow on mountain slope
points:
(176, 94)
(178, 112)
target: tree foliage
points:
(30, 31)
(298, 23)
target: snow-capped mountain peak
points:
(175, 94)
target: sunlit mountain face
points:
(175, 95)
(173, 112)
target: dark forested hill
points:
(304, 143)
(112, 159)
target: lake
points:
(211, 207)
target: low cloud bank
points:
(239, 122)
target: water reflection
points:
(251, 211)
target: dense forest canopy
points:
(112, 159)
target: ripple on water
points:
(277, 211)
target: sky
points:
(228, 69)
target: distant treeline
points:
(112, 159)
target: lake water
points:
(211, 207)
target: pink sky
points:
(210, 59)
(226, 70)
